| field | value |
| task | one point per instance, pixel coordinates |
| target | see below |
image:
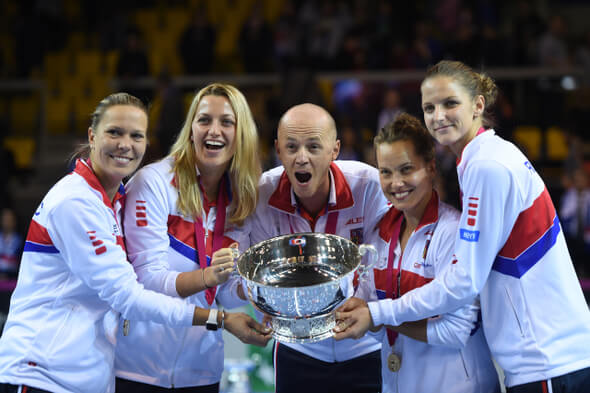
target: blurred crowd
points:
(324, 35)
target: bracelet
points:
(203, 278)
(222, 318)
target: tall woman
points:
(415, 241)
(74, 277)
(183, 214)
(509, 248)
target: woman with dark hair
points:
(74, 277)
(510, 249)
(415, 241)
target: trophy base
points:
(303, 330)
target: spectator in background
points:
(255, 42)
(575, 218)
(582, 57)
(11, 243)
(286, 37)
(133, 63)
(552, 45)
(197, 44)
(391, 108)
(171, 115)
(524, 30)
(349, 144)
(552, 52)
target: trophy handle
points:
(364, 270)
(235, 255)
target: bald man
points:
(312, 192)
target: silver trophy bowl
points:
(300, 279)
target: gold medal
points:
(394, 362)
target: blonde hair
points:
(244, 170)
(475, 83)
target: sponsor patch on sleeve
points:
(470, 236)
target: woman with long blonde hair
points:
(184, 215)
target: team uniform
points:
(161, 243)
(511, 250)
(355, 203)
(74, 280)
(456, 358)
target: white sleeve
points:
(147, 238)
(452, 328)
(475, 250)
(90, 250)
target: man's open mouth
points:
(303, 177)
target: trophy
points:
(300, 279)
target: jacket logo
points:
(140, 213)
(356, 236)
(356, 220)
(470, 236)
(472, 207)
(99, 247)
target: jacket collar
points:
(283, 198)
(429, 217)
(84, 169)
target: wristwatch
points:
(211, 323)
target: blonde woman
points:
(184, 214)
(74, 277)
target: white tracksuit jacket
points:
(456, 358)
(161, 244)
(511, 250)
(356, 195)
(74, 280)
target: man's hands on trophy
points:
(353, 319)
(222, 266)
(247, 329)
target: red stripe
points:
(140, 207)
(101, 250)
(24, 389)
(140, 215)
(471, 221)
(474, 205)
(409, 280)
(121, 242)
(141, 223)
(97, 243)
(530, 225)
(472, 212)
(544, 386)
(38, 234)
(473, 199)
(140, 201)
(182, 230)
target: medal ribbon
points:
(215, 241)
(393, 287)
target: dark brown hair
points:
(408, 128)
